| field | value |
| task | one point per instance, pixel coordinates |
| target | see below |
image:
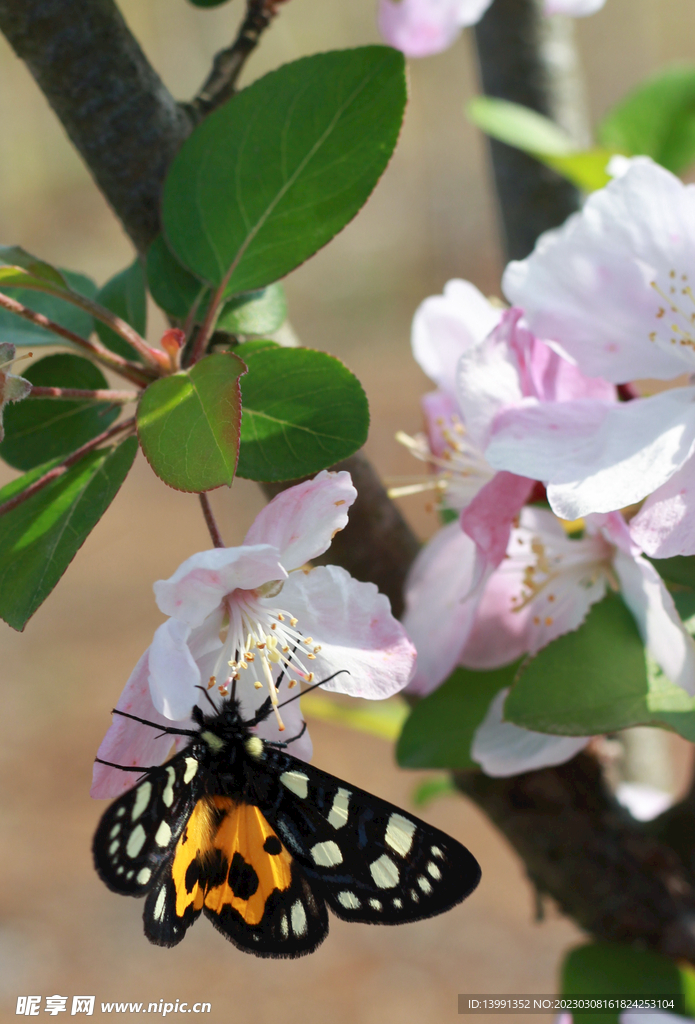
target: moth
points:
(263, 843)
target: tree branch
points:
(514, 66)
(227, 65)
(113, 105)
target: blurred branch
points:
(227, 64)
(579, 846)
(111, 102)
(515, 65)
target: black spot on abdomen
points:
(243, 880)
(273, 846)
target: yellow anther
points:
(292, 683)
(211, 682)
(293, 622)
(258, 685)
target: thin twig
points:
(57, 471)
(220, 84)
(85, 394)
(210, 521)
(131, 371)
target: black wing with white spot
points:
(139, 831)
(369, 860)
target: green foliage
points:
(657, 119)
(439, 731)
(612, 969)
(21, 332)
(173, 288)
(41, 429)
(431, 789)
(255, 313)
(541, 138)
(125, 295)
(277, 171)
(302, 412)
(40, 537)
(188, 424)
(597, 679)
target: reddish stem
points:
(84, 394)
(131, 371)
(57, 471)
(210, 521)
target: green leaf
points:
(613, 969)
(275, 173)
(255, 313)
(537, 135)
(679, 570)
(124, 294)
(21, 332)
(303, 411)
(597, 679)
(431, 789)
(41, 429)
(18, 267)
(39, 538)
(383, 718)
(173, 288)
(519, 126)
(589, 681)
(188, 424)
(440, 728)
(656, 119)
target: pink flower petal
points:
(665, 525)
(603, 285)
(488, 519)
(439, 407)
(173, 675)
(201, 582)
(353, 624)
(510, 621)
(660, 625)
(301, 521)
(575, 8)
(423, 27)
(440, 605)
(131, 743)
(597, 457)
(488, 376)
(503, 749)
(445, 326)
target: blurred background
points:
(431, 218)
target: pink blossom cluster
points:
(528, 396)
(423, 27)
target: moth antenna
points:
(125, 768)
(214, 706)
(310, 688)
(165, 730)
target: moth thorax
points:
(254, 746)
(213, 741)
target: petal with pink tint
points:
(174, 674)
(489, 517)
(203, 580)
(353, 625)
(488, 376)
(422, 27)
(552, 378)
(445, 326)
(597, 457)
(302, 520)
(131, 743)
(665, 525)
(503, 749)
(660, 625)
(511, 621)
(440, 606)
(440, 410)
(611, 283)
(575, 8)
